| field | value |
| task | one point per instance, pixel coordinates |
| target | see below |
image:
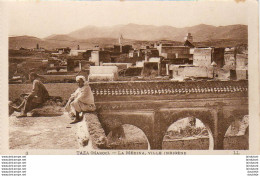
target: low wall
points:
(185, 144)
(59, 78)
(236, 143)
(140, 88)
(63, 90)
(90, 133)
(230, 143)
(97, 133)
(167, 87)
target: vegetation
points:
(188, 131)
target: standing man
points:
(35, 98)
(82, 100)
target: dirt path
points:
(42, 133)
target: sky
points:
(42, 19)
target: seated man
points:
(82, 100)
(34, 99)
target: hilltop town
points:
(153, 60)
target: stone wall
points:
(135, 88)
(63, 90)
(167, 87)
(230, 143)
(202, 57)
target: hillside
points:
(135, 34)
(200, 32)
(61, 41)
(25, 42)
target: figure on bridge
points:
(34, 99)
(82, 100)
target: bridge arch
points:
(225, 117)
(235, 116)
(186, 128)
(113, 121)
(181, 135)
(129, 130)
(236, 135)
(167, 118)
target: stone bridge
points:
(154, 106)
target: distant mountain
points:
(200, 32)
(58, 37)
(63, 40)
(24, 41)
(58, 41)
(134, 33)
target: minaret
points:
(121, 42)
(189, 37)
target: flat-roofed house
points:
(206, 56)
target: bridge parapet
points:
(90, 133)
(167, 87)
(164, 102)
(154, 106)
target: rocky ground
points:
(45, 132)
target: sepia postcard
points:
(129, 78)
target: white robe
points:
(83, 101)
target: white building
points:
(76, 52)
(94, 57)
(180, 72)
(139, 63)
(103, 73)
(202, 57)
